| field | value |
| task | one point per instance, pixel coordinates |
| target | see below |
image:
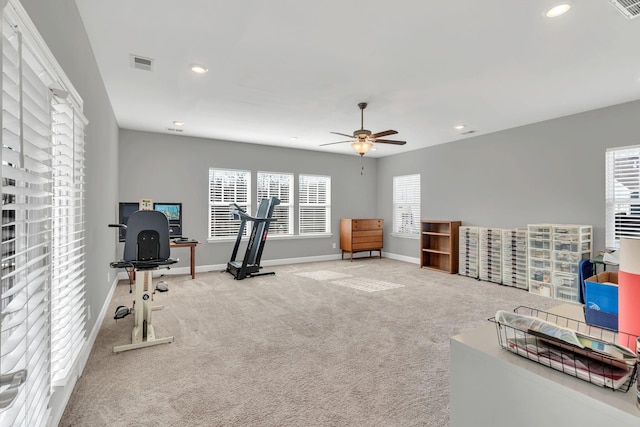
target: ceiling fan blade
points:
(331, 143)
(342, 134)
(383, 133)
(388, 141)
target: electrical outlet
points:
(334, 246)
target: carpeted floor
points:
(338, 343)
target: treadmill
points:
(250, 265)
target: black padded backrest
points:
(147, 237)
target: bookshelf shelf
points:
(439, 245)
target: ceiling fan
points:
(364, 139)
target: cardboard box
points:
(601, 300)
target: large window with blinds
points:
(280, 185)
(314, 200)
(227, 186)
(42, 280)
(622, 194)
(406, 206)
(68, 243)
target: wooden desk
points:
(192, 246)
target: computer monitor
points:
(125, 209)
(173, 212)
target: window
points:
(314, 198)
(406, 205)
(622, 194)
(227, 186)
(42, 281)
(68, 246)
(278, 185)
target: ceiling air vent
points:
(141, 63)
(175, 130)
(468, 132)
(629, 8)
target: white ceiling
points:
(280, 69)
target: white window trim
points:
(326, 205)
(619, 194)
(233, 224)
(409, 198)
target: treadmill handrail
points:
(238, 213)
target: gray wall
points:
(548, 172)
(60, 26)
(172, 168)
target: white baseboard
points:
(404, 258)
(267, 263)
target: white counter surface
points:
(490, 386)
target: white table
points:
(490, 386)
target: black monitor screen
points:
(125, 209)
(173, 212)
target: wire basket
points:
(591, 366)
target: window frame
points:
(406, 199)
(228, 226)
(305, 204)
(622, 208)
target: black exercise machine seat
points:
(146, 245)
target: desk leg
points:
(193, 261)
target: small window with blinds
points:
(314, 200)
(227, 186)
(280, 185)
(406, 205)
(622, 194)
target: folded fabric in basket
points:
(528, 323)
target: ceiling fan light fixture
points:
(361, 146)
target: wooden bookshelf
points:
(439, 245)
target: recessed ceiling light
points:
(558, 10)
(459, 127)
(294, 138)
(200, 69)
(178, 123)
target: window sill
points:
(275, 237)
(405, 236)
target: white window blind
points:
(26, 232)
(68, 256)
(406, 205)
(42, 278)
(314, 198)
(622, 194)
(280, 185)
(227, 186)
